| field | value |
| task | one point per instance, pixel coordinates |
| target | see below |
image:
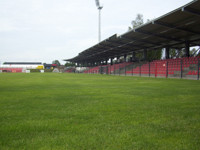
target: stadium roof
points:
(22, 63)
(173, 29)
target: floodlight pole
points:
(99, 8)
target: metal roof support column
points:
(187, 49)
(111, 61)
(167, 52)
(125, 57)
(178, 51)
(133, 56)
(118, 58)
(106, 61)
(145, 54)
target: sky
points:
(47, 30)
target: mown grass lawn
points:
(78, 111)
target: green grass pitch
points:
(80, 111)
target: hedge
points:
(38, 70)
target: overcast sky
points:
(46, 30)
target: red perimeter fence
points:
(171, 68)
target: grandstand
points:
(16, 67)
(177, 30)
(175, 68)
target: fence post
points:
(132, 69)
(198, 69)
(155, 69)
(181, 69)
(149, 68)
(167, 69)
(125, 70)
(119, 69)
(114, 69)
(110, 70)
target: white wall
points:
(20, 66)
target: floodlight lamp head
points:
(100, 7)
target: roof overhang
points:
(171, 30)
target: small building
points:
(50, 66)
(20, 66)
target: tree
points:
(70, 64)
(138, 21)
(194, 52)
(151, 55)
(154, 54)
(56, 62)
(198, 52)
(175, 53)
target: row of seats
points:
(69, 70)
(157, 67)
(115, 67)
(111, 68)
(193, 73)
(93, 70)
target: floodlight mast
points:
(99, 8)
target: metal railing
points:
(177, 68)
